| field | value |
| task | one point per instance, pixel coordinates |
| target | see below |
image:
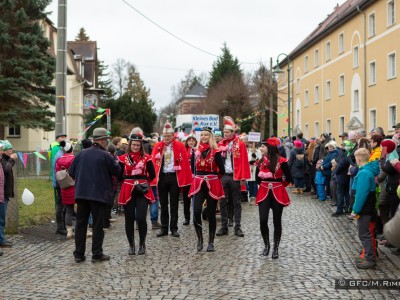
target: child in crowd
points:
(364, 208)
(320, 182)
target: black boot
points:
(210, 247)
(131, 249)
(267, 246)
(275, 254)
(142, 248)
(199, 233)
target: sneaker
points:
(113, 220)
(239, 232)
(89, 233)
(155, 225)
(100, 258)
(336, 214)
(6, 244)
(79, 259)
(222, 231)
(366, 264)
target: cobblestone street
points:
(315, 250)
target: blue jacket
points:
(92, 170)
(364, 185)
(319, 178)
(327, 162)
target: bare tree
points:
(119, 74)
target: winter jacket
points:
(8, 163)
(365, 187)
(297, 170)
(375, 154)
(341, 170)
(392, 180)
(323, 151)
(327, 162)
(316, 154)
(92, 170)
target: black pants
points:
(168, 186)
(60, 210)
(232, 192)
(136, 209)
(198, 200)
(98, 210)
(186, 202)
(277, 209)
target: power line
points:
(167, 31)
(175, 36)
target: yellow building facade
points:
(344, 76)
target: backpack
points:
(63, 179)
(299, 160)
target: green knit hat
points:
(6, 145)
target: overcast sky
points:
(254, 31)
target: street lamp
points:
(278, 70)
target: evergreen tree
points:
(26, 68)
(82, 36)
(105, 81)
(225, 66)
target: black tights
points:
(277, 209)
(138, 204)
(198, 200)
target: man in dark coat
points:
(93, 169)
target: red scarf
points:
(134, 157)
(227, 141)
(203, 147)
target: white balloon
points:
(27, 197)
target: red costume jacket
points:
(181, 162)
(241, 166)
(272, 180)
(204, 166)
(136, 169)
(68, 194)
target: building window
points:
(391, 17)
(306, 98)
(316, 129)
(328, 126)
(341, 85)
(372, 73)
(305, 64)
(297, 85)
(341, 125)
(328, 51)
(341, 43)
(372, 118)
(371, 25)
(392, 116)
(297, 117)
(328, 90)
(306, 131)
(14, 130)
(355, 57)
(391, 65)
(316, 58)
(316, 94)
(356, 101)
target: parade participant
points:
(136, 194)
(172, 172)
(237, 171)
(93, 169)
(272, 193)
(190, 144)
(8, 160)
(67, 194)
(207, 185)
(59, 208)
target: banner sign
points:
(200, 121)
(254, 137)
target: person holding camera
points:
(136, 194)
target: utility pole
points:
(271, 100)
(61, 66)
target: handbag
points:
(63, 179)
(141, 188)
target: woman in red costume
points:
(271, 169)
(207, 185)
(190, 144)
(138, 170)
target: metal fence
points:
(32, 173)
